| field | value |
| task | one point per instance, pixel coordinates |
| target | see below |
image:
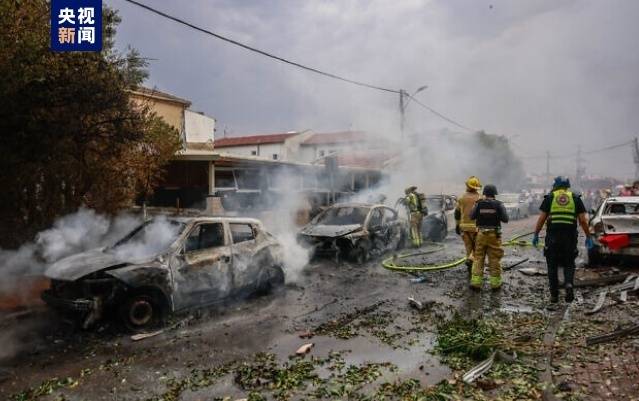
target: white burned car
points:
(615, 228)
(354, 231)
(166, 265)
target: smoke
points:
(154, 237)
(74, 233)
(284, 221)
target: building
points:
(249, 173)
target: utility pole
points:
(402, 112)
(548, 166)
(580, 170)
(635, 151)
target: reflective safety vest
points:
(414, 204)
(562, 208)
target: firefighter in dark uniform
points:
(562, 210)
(488, 214)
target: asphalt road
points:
(106, 365)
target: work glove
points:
(589, 243)
(457, 229)
(535, 241)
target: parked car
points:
(516, 207)
(166, 265)
(354, 231)
(440, 218)
(615, 228)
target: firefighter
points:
(414, 205)
(464, 225)
(563, 210)
(488, 214)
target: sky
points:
(551, 75)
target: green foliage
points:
(70, 135)
(473, 338)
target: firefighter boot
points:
(570, 295)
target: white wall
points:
(198, 127)
(264, 151)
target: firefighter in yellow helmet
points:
(414, 205)
(464, 225)
(489, 213)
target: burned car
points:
(615, 229)
(440, 217)
(166, 265)
(516, 206)
(354, 231)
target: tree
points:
(69, 132)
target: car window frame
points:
(254, 231)
(196, 226)
(371, 216)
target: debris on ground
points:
(415, 303)
(602, 338)
(142, 336)
(304, 349)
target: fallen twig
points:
(142, 336)
(603, 338)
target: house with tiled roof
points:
(274, 146)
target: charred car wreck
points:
(354, 231)
(166, 265)
(615, 228)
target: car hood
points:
(79, 265)
(321, 230)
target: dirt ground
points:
(368, 342)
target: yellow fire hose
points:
(391, 263)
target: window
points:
(205, 236)
(275, 157)
(242, 232)
(248, 179)
(224, 179)
(253, 152)
(389, 215)
(376, 219)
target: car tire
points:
(594, 257)
(271, 278)
(141, 311)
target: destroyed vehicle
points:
(615, 229)
(354, 231)
(163, 266)
(516, 207)
(437, 223)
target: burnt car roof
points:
(185, 219)
(357, 204)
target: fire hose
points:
(391, 263)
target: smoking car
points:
(440, 218)
(615, 228)
(354, 231)
(166, 265)
(516, 207)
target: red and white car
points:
(615, 229)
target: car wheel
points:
(271, 278)
(594, 257)
(141, 311)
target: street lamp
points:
(403, 104)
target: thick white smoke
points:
(155, 237)
(283, 223)
(74, 233)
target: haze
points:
(550, 74)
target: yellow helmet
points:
(473, 182)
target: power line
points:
(573, 155)
(294, 63)
(256, 50)
(440, 115)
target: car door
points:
(376, 229)
(203, 271)
(392, 228)
(244, 248)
